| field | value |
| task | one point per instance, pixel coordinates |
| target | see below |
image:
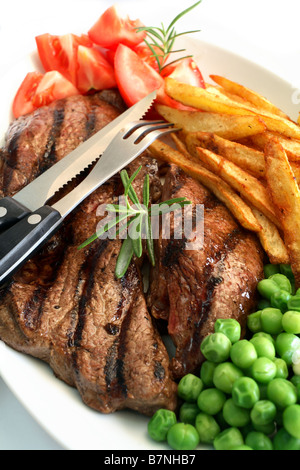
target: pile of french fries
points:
(247, 152)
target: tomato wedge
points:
(22, 103)
(39, 89)
(60, 53)
(94, 71)
(112, 29)
(186, 71)
(135, 78)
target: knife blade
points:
(39, 191)
(20, 242)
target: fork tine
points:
(132, 126)
(142, 132)
(152, 136)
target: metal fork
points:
(21, 241)
(127, 145)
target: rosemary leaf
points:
(124, 258)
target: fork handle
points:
(25, 238)
(11, 211)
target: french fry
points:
(207, 101)
(245, 157)
(230, 127)
(285, 194)
(271, 240)
(250, 188)
(239, 209)
(251, 96)
(291, 147)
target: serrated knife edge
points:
(39, 191)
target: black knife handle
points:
(25, 238)
(11, 211)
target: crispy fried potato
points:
(285, 194)
(239, 209)
(250, 188)
(251, 96)
(207, 101)
(230, 127)
(245, 157)
(271, 240)
(291, 147)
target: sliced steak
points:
(65, 306)
(192, 288)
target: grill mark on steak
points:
(49, 157)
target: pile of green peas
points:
(247, 396)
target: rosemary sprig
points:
(160, 40)
(138, 222)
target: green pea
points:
(264, 335)
(229, 327)
(270, 269)
(234, 415)
(243, 354)
(284, 441)
(258, 441)
(286, 345)
(282, 393)
(263, 412)
(280, 300)
(267, 287)
(243, 447)
(245, 392)
(295, 380)
(291, 420)
(294, 303)
(282, 281)
(207, 373)
(207, 427)
(211, 401)
(188, 413)
(263, 303)
(189, 388)
(271, 321)
(254, 321)
(267, 429)
(225, 375)
(183, 436)
(264, 347)
(160, 423)
(263, 370)
(287, 271)
(291, 322)
(216, 347)
(282, 371)
(228, 439)
(221, 421)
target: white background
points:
(265, 31)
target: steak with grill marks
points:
(192, 288)
(65, 306)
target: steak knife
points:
(39, 191)
(21, 241)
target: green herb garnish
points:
(161, 40)
(138, 222)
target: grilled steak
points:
(191, 289)
(65, 306)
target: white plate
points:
(57, 407)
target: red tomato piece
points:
(60, 53)
(53, 86)
(112, 29)
(22, 103)
(135, 78)
(186, 71)
(145, 53)
(39, 89)
(94, 71)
